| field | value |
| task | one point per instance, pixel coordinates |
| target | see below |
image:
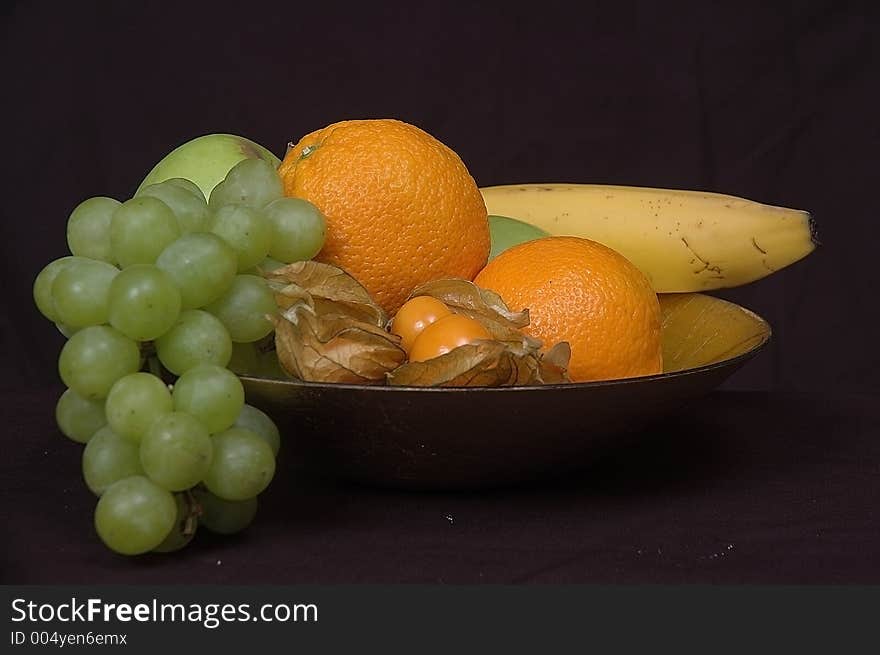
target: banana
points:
(683, 241)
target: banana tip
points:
(814, 231)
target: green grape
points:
(261, 425)
(136, 402)
(144, 302)
(268, 265)
(79, 418)
(246, 230)
(88, 229)
(66, 330)
(184, 529)
(224, 516)
(140, 230)
(251, 182)
(190, 210)
(210, 393)
(243, 465)
(176, 451)
(134, 515)
(298, 229)
(202, 266)
(43, 285)
(80, 290)
(243, 308)
(189, 185)
(197, 338)
(107, 458)
(94, 358)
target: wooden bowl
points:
(455, 438)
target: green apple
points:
(207, 159)
(508, 232)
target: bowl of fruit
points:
(363, 304)
(420, 436)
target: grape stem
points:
(155, 366)
(193, 512)
(148, 349)
(152, 363)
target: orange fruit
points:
(587, 294)
(415, 315)
(446, 334)
(401, 207)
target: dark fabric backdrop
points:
(777, 102)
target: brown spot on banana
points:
(707, 266)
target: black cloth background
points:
(777, 102)
(749, 487)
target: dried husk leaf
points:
(514, 338)
(322, 280)
(326, 289)
(485, 306)
(334, 348)
(553, 364)
(481, 364)
(511, 358)
(484, 364)
(466, 298)
(330, 330)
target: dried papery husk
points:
(287, 295)
(511, 358)
(487, 307)
(514, 338)
(325, 288)
(553, 364)
(464, 297)
(483, 364)
(330, 330)
(322, 280)
(334, 348)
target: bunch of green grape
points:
(167, 287)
